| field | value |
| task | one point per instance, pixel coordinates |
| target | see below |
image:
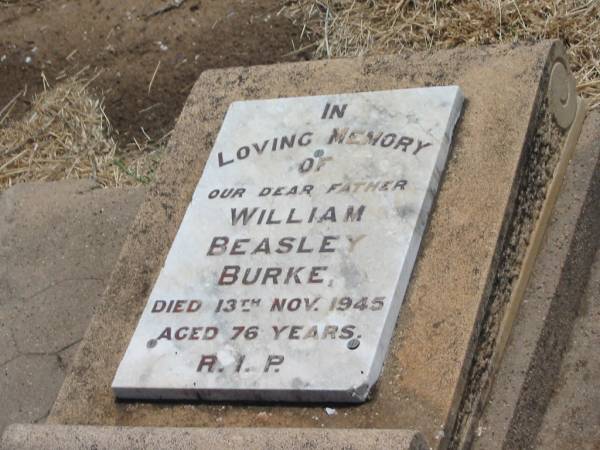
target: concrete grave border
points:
(525, 378)
(568, 111)
(46, 437)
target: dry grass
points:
(67, 135)
(352, 27)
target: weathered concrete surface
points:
(47, 437)
(502, 157)
(573, 416)
(542, 331)
(58, 245)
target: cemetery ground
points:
(140, 57)
(92, 90)
(98, 86)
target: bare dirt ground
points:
(126, 41)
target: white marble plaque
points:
(287, 274)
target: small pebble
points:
(330, 411)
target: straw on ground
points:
(67, 135)
(353, 27)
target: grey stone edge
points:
(71, 437)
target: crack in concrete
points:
(55, 353)
(43, 417)
(14, 341)
(59, 282)
(9, 328)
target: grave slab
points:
(308, 242)
(520, 105)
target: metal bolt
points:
(353, 344)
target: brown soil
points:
(128, 39)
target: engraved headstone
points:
(286, 277)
